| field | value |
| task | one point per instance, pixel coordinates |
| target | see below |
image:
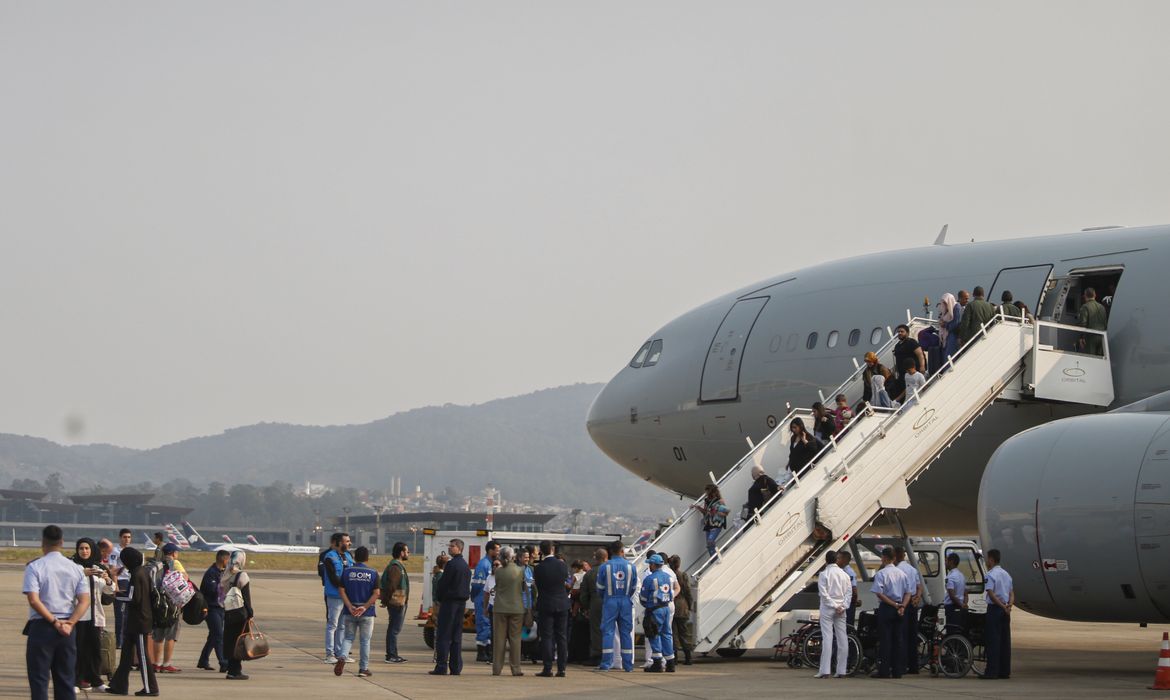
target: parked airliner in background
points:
(1080, 506)
(194, 537)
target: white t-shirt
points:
(914, 383)
(490, 587)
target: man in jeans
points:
(359, 592)
(125, 537)
(209, 587)
(395, 578)
(335, 561)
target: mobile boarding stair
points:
(761, 563)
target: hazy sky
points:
(215, 214)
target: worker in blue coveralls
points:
(483, 623)
(617, 581)
(656, 594)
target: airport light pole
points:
(346, 509)
(413, 539)
(378, 527)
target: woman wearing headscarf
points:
(872, 367)
(949, 315)
(762, 489)
(237, 611)
(89, 629)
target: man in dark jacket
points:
(453, 588)
(209, 587)
(137, 630)
(590, 602)
(552, 602)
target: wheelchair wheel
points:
(978, 659)
(923, 651)
(954, 656)
(810, 652)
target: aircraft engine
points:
(1080, 510)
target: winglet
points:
(942, 236)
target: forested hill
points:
(533, 448)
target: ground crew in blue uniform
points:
(893, 591)
(656, 595)
(955, 605)
(1001, 598)
(910, 619)
(616, 584)
(483, 621)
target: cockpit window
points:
(640, 357)
(655, 354)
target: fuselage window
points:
(875, 337)
(831, 341)
(640, 357)
(654, 355)
(854, 336)
(812, 340)
(793, 338)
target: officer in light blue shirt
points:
(893, 591)
(1001, 598)
(910, 619)
(58, 596)
(955, 604)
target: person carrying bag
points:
(246, 642)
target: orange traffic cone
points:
(1162, 676)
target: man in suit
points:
(552, 602)
(590, 601)
(453, 588)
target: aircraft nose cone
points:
(605, 415)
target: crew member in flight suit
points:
(616, 584)
(656, 595)
(1094, 317)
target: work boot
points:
(670, 666)
(652, 668)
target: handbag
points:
(397, 598)
(251, 644)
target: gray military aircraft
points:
(1080, 507)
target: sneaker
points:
(330, 660)
(103, 688)
(364, 673)
(821, 675)
(395, 660)
(339, 667)
(350, 660)
(237, 677)
(170, 669)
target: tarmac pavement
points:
(1052, 659)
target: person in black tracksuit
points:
(454, 588)
(136, 631)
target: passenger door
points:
(720, 380)
(1025, 283)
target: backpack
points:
(321, 564)
(164, 612)
(177, 588)
(195, 611)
